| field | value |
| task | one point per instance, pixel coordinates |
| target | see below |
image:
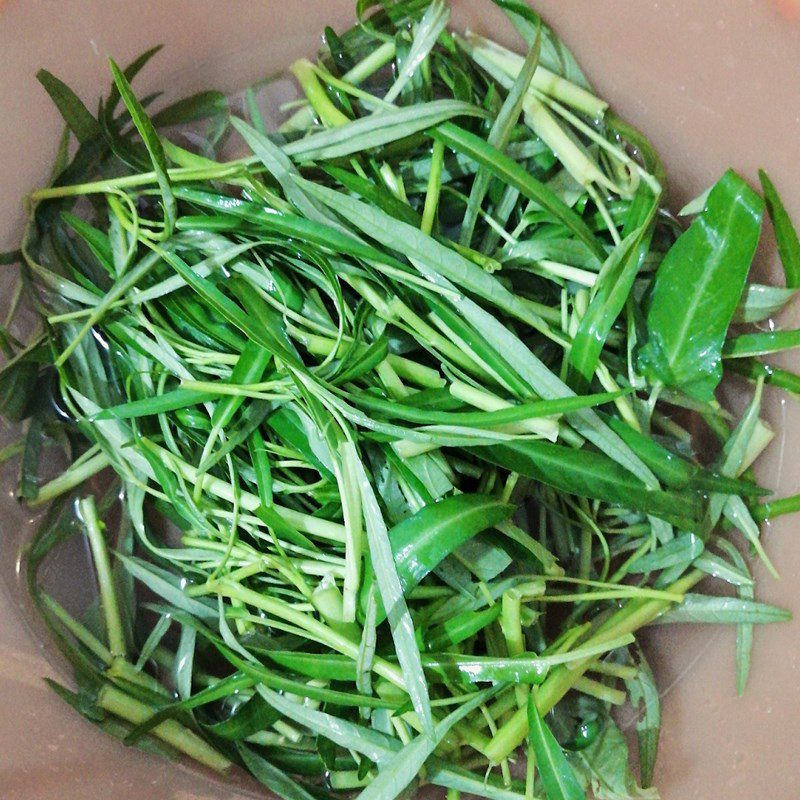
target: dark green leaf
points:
(190, 109)
(589, 474)
(785, 233)
(558, 777)
(76, 115)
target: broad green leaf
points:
(420, 542)
(703, 274)
(606, 766)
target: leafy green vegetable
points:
(382, 436)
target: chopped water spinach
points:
(384, 436)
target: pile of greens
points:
(384, 438)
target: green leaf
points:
(761, 344)
(611, 292)
(420, 542)
(375, 194)
(683, 549)
(462, 626)
(760, 302)
(168, 586)
(645, 699)
(558, 777)
(401, 769)
(376, 746)
(160, 404)
(271, 339)
(441, 772)
(190, 109)
(275, 779)
(703, 274)
(785, 233)
(71, 107)
(426, 34)
(498, 137)
(607, 767)
(677, 472)
(130, 72)
(391, 593)
(296, 428)
(555, 56)
(525, 669)
(744, 631)
(151, 141)
(378, 129)
(420, 248)
(588, 474)
(10, 257)
(510, 172)
(700, 608)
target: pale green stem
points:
(82, 634)
(486, 401)
(304, 116)
(434, 187)
(306, 523)
(485, 51)
(330, 115)
(634, 615)
(108, 596)
(391, 381)
(322, 632)
(121, 705)
(600, 691)
(74, 476)
(624, 672)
